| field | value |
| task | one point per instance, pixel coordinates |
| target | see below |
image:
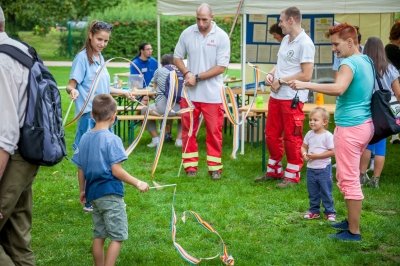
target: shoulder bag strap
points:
(378, 80)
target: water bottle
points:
(116, 81)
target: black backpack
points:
(177, 95)
(42, 135)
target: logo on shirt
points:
(212, 43)
(289, 56)
(144, 70)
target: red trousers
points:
(283, 133)
(213, 115)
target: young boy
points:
(99, 157)
(317, 150)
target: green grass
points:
(260, 224)
(46, 46)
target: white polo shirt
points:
(290, 56)
(204, 53)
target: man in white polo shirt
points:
(207, 48)
(285, 117)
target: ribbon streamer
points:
(224, 256)
(90, 97)
(67, 113)
(93, 87)
(171, 101)
(173, 81)
(233, 116)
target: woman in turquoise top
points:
(354, 128)
(84, 68)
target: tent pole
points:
(158, 39)
(243, 67)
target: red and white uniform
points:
(284, 125)
(204, 52)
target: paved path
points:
(112, 64)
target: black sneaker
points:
(346, 235)
(343, 225)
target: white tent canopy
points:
(223, 7)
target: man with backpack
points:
(16, 174)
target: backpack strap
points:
(17, 54)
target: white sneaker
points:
(154, 142)
(178, 142)
(88, 208)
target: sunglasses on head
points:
(102, 26)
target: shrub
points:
(137, 23)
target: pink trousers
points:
(350, 143)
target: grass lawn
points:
(46, 46)
(261, 225)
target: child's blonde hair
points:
(324, 113)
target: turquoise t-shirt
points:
(354, 106)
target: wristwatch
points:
(197, 77)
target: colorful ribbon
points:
(224, 256)
(171, 101)
(233, 116)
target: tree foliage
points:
(44, 14)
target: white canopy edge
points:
(226, 7)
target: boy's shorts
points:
(109, 218)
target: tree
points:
(44, 14)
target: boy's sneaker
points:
(331, 217)
(346, 235)
(311, 216)
(154, 142)
(88, 208)
(364, 179)
(178, 142)
(343, 225)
